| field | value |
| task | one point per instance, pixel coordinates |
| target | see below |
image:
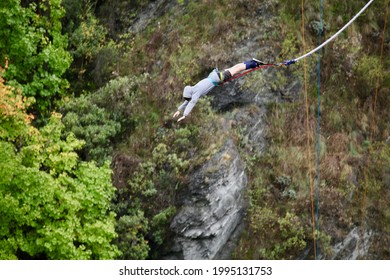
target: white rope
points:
(335, 35)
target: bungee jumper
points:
(191, 94)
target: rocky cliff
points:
(213, 206)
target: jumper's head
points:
(187, 93)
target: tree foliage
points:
(13, 119)
(101, 117)
(141, 222)
(31, 39)
(52, 205)
(94, 54)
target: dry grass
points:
(332, 166)
(296, 127)
(338, 143)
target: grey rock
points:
(354, 246)
(250, 121)
(212, 208)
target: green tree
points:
(13, 119)
(52, 205)
(31, 39)
(105, 115)
(94, 57)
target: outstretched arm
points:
(191, 104)
(181, 108)
(188, 107)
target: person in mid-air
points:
(192, 94)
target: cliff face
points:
(212, 215)
(213, 206)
